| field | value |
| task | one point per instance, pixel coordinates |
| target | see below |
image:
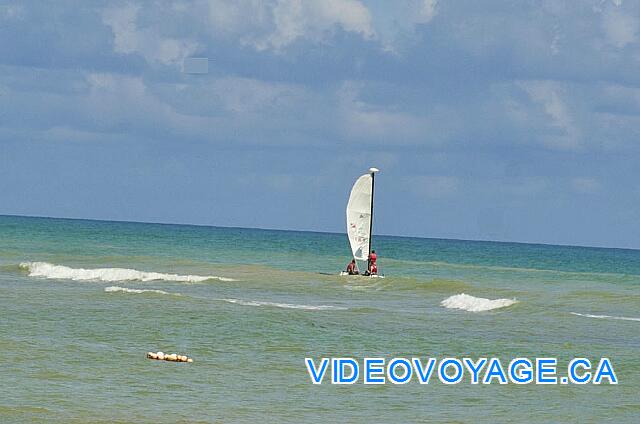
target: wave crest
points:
(283, 305)
(47, 270)
(606, 317)
(475, 304)
(115, 289)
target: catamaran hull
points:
(346, 274)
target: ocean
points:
(83, 301)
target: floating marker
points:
(174, 357)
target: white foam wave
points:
(283, 305)
(606, 317)
(475, 304)
(47, 270)
(115, 289)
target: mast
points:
(373, 179)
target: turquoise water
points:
(73, 347)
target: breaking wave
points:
(284, 305)
(606, 317)
(115, 289)
(47, 270)
(475, 304)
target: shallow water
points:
(74, 334)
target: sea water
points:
(81, 302)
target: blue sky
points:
(497, 120)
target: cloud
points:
(619, 100)
(374, 122)
(620, 28)
(11, 11)
(314, 20)
(427, 11)
(123, 104)
(239, 17)
(564, 133)
(276, 24)
(123, 24)
(586, 185)
(148, 42)
(245, 95)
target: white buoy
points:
(173, 357)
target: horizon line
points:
(124, 221)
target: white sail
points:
(359, 217)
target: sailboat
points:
(360, 218)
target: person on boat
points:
(373, 270)
(372, 262)
(352, 269)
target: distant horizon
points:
(186, 224)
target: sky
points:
(491, 120)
